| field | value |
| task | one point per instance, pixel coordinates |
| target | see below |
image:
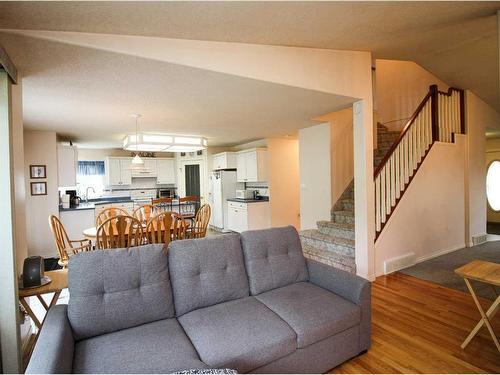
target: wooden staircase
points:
(333, 242)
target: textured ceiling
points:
(87, 95)
(457, 41)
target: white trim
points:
(439, 253)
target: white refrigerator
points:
(222, 186)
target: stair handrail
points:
(433, 96)
(401, 135)
(438, 118)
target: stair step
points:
(346, 217)
(328, 249)
(345, 231)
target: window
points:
(493, 185)
(90, 173)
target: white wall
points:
(19, 177)
(284, 181)
(480, 116)
(315, 181)
(40, 147)
(430, 218)
(400, 87)
(342, 150)
(492, 154)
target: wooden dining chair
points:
(119, 232)
(65, 246)
(159, 228)
(108, 213)
(188, 206)
(179, 227)
(144, 213)
(200, 223)
(162, 204)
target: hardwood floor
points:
(418, 326)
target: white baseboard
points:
(439, 253)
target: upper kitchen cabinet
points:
(149, 170)
(67, 164)
(165, 171)
(224, 160)
(118, 171)
(251, 165)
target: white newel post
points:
(364, 189)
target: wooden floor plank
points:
(418, 326)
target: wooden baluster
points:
(382, 195)
(388, 189)
(397, 186)
(392, 181)
(378, 225)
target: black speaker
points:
(33, 273)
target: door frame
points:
(200, 160)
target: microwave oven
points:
(244, 194)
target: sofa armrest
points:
(349, 286)
(53, 353)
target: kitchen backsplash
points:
(262, 187)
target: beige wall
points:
(430, 218)
(315, 180)
(18, 169)
(400, 87)
(480, 116)
(284, 181)
(342, 150)
(93, 154)
(40, 147)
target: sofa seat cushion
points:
(158, 347)
(242, 334)
(313, 312)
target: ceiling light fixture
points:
(163, 143)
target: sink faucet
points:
(87, 192)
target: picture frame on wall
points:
(38, 171)
(38, 188)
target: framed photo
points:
(38, 171)
(39, 188)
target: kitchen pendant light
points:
(137, 161)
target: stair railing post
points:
(434, 112)
(462, 111)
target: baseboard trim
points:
(439, 253)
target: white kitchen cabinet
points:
(118, 171)
(251, 165)
(224, 160)
(165, 171)
(76, 221)
(248, 216)
(67, 164)
(149, 170)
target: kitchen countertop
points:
(90, 205)
(263, 199)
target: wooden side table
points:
(59, 282)
(489, 273)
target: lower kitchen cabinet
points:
(75, 221)
(248, 216)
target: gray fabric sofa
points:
(249, 302)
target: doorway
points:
(192, 179)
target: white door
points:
(251, 166)
(114, 172)
(165, 171)
(181, 189)
(125, 171)
(218, 204)
(241, 167)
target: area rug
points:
(440, 270)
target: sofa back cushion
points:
(273, 258)
(206, 271)
(117, 289)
